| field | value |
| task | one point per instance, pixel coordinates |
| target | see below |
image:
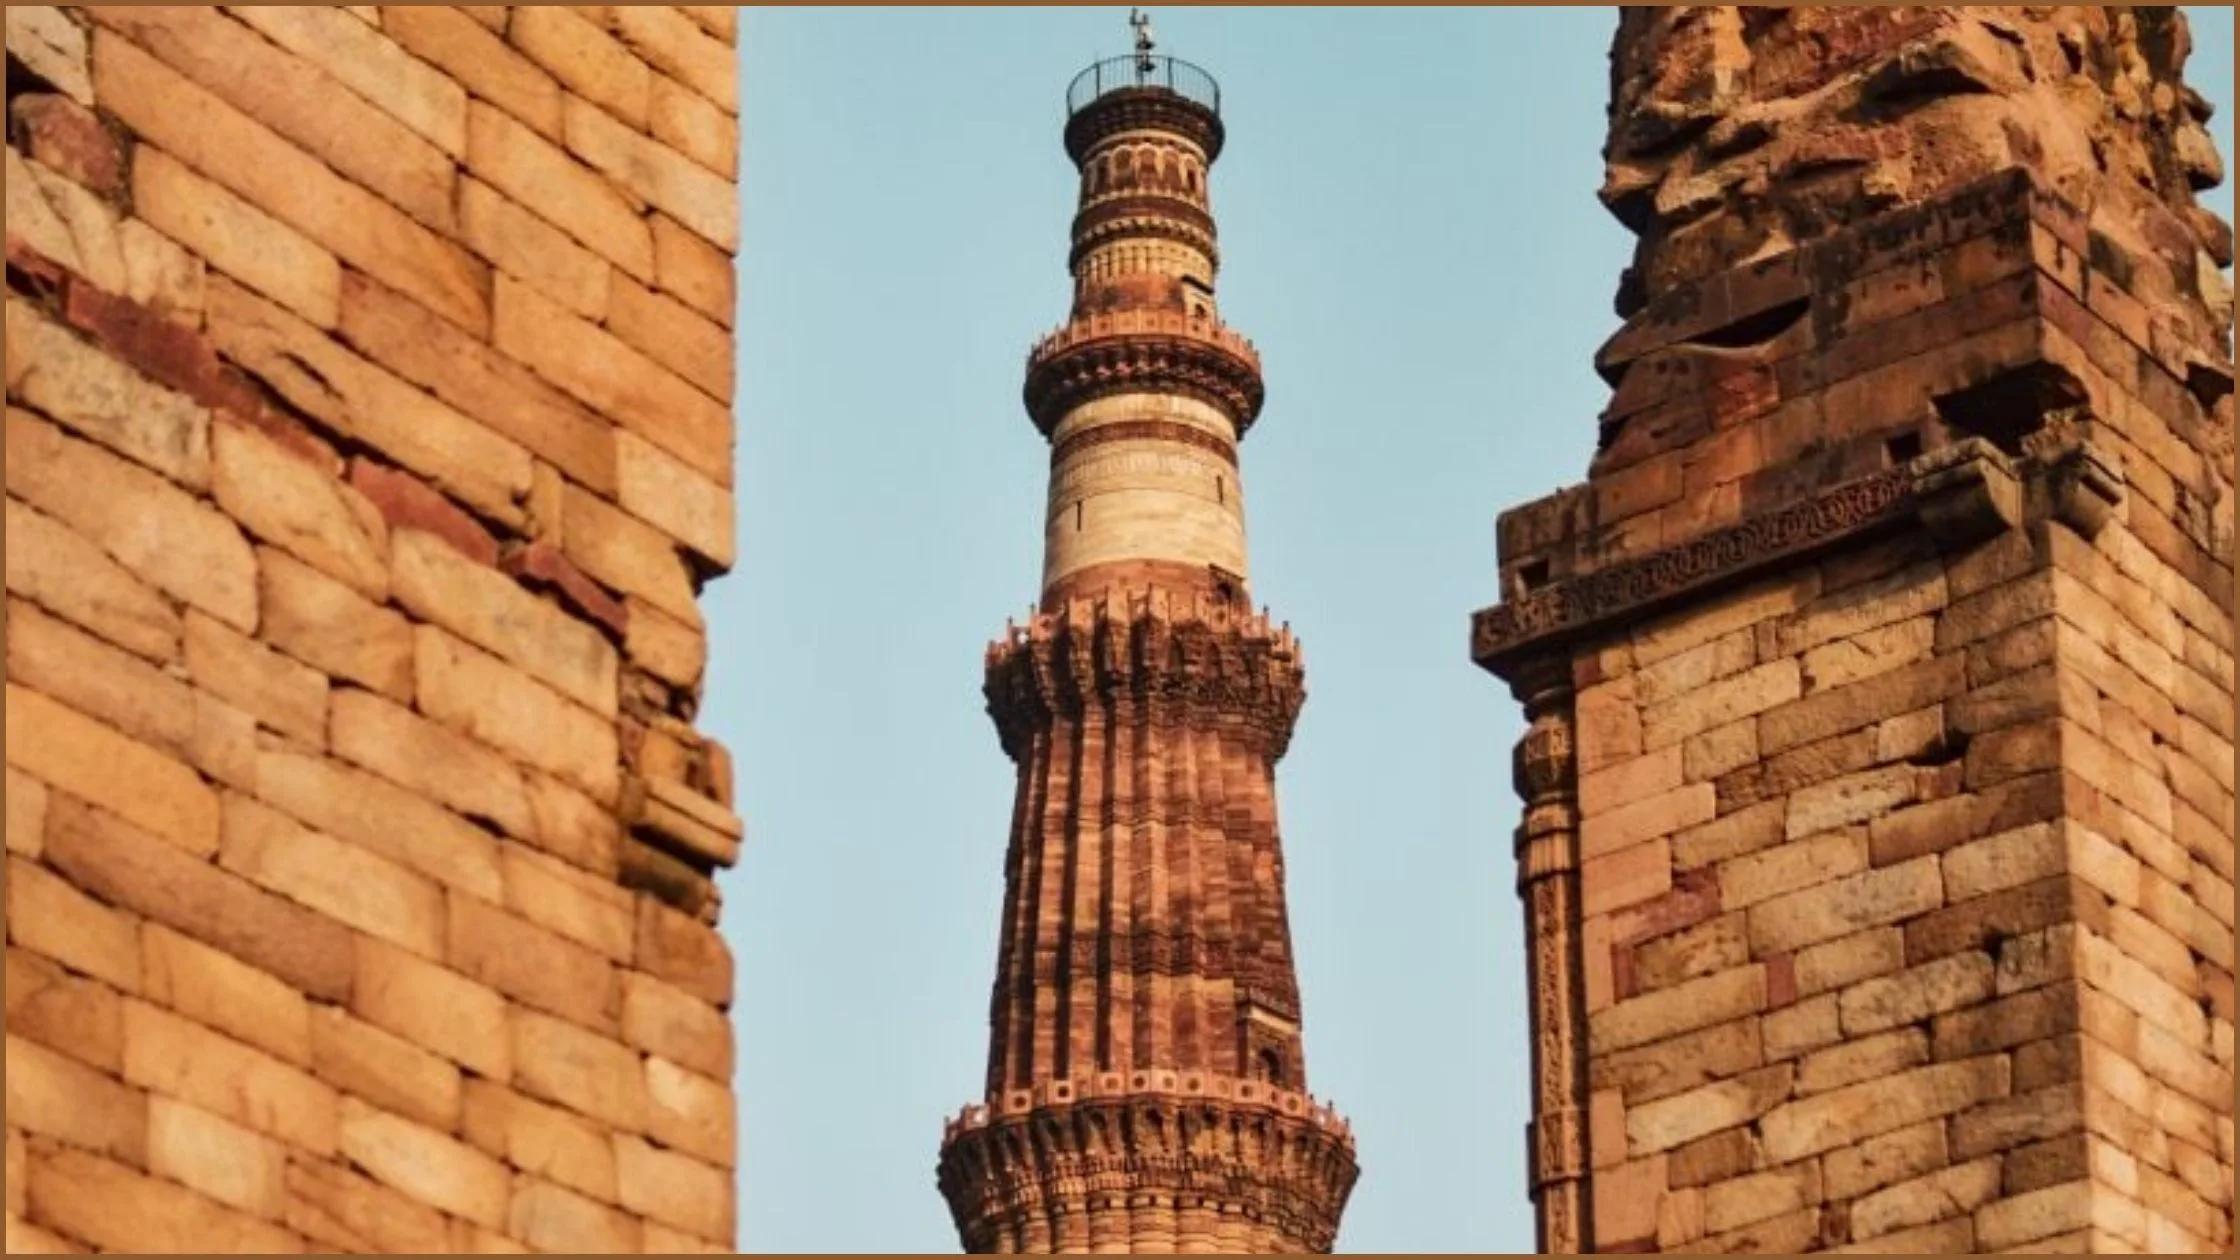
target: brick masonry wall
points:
(368, 442)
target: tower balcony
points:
(1142, 72)
(1143, 91)
(1143, 351)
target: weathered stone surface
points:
(1908, 997)
(1843, 906)
(584, 58)
(669, 1022)
(337, 1208)
(683, 951)
(1949, 1192)
(1749, 1200)
(68, 574)
(56, 1096)
(489, 610)
(418, 754)
(1965, 853)
(281, 694)
(1679, 1063)
(1845, 1116)
(387, 1071)
(338, 879)
(280, 791)
(581, 1070)
(1681, 1118)
(534, 967)
(59, 375)
(554, 1219)
(174, 1057)
(288, 503)
(690, 1113)
(582, 907)
(157, 531)
(425, 1165)
(118, 1209)
(1746, 881)
(50, 916)
(378, 816)
(316, 374)
(601, 372)
(434, 1007)
(222, 1160)
(213, 987)
(126, 867)
(539, 175)
(237, 238)
(672, 41)
(691, 194)
(1744, 695)
(128, 709)
(471, 691)
(673, 1189)
(217, 138)
(468, 374)
(332, 628)
(544, 1141)
(52, 46)
(72, 1014)
(695, 272)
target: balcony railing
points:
(1116, 74)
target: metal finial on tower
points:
(1141, 21)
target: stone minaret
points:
(1878, 842)
(1146, 1085)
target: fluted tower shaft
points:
(1146, 1080)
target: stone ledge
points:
(1960, 492)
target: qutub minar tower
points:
(1146, 1080)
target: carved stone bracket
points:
(1965, 493)
(2087, 487)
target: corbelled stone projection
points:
(1146, 1084)
(1877, 849)
(368, 441)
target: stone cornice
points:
(1959, 491)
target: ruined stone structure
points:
(1877, 853)
(368, 440)
(1146, 1085)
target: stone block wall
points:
(1878, 847)
(1904, 831)
(368, 443)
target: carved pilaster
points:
(1548, 883)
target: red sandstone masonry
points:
(317, 725)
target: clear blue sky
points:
(1410, 235)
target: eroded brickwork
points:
(1878, 851)
(368, 441)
